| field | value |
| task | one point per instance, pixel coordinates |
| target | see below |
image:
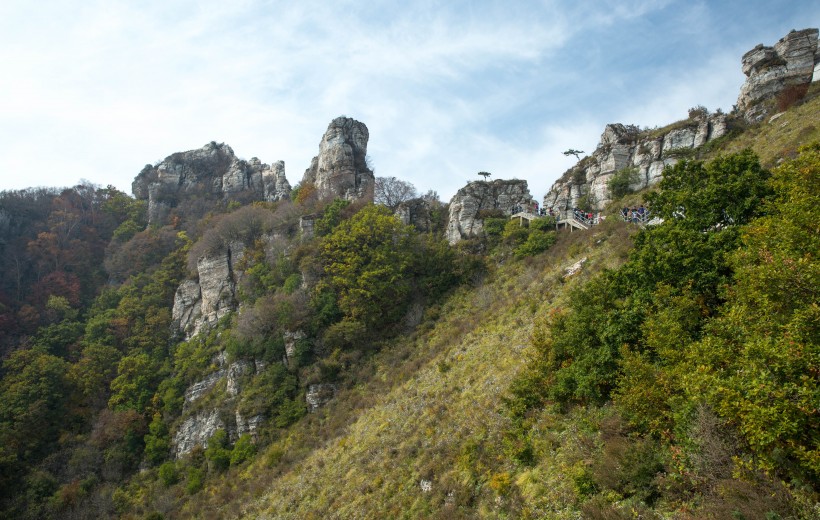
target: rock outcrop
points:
(213, 172)
(202, 303)
(417, 213)
(499, 195)
(645, 153)
(202, 421)
(340, 170)
(771, 70)
(196, 430)
(319, 395)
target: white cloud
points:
(97, 89)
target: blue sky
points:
(94, 90)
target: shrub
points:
(791, 95)
(217, 453)
(537, 242)
(168, 473)
(698, 112)
(345, 334)
(292, 283)
(514, 233)
(621, 182)
(331, 217)
(194, 481)
(243, 450)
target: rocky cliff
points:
(645, 153)
(465, 220)
(200, 422)
(211, 172)
(770, 70)
(202, 302)
(340, 170)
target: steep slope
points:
(422, 432)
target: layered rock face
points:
(199, 425)
(340, 170)
(770, 70)
(622, 146)
(502, 195)
(202, 303)
(212, 171)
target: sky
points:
(94, 90)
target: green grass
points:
(426, 407)
(779, 139)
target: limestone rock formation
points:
(340, 170)
(213, 172)
(236, 371)
(502, 195)
(249, 425)
(196, 430)
(202, 303)
(770, 70)
(416, 213)
(319, 395)
(202, 421)
(625, 146)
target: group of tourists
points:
(583, 216)
(635, 215)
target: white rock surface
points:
(502, 195)
(340, 170)
(196, 430)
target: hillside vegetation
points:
(617, 372)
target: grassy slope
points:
(428, 406)
(781, 138)
(420, 428)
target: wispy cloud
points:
(97, 89)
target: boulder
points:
(236, 371)
(203, 303)
(416, 213)
(319, 395)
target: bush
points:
(345, 334)
(621, 182)
(537, 242)
(698, 112)
(195, 480)
(217, 452)
(168, 473)
(243, 450)
(495, 226)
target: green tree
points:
(622, 181)
(135, 383)
(32, 406)
(758, 366)
(367, 259)
(157, 441)
(243, 450)
(218, 453)
(573, 151)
